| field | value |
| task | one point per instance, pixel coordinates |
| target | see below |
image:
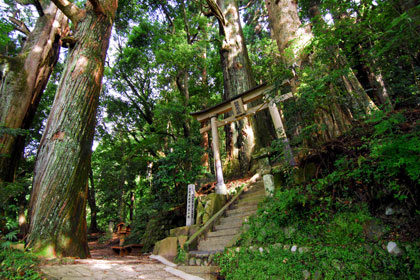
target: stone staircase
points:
(226, 232)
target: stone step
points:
(223, 232)
(240, 214)
(256, 186)
(230, 224)
(192, 269)
(216, 247)
(249, 202)
(203, 254)
(215, 243)
(217, 239)
(205, 272)
(235, 210)
(252, 198)
(233, 219)
(252, 195)
(253, 192)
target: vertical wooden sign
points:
(190, 204)
(238, 107)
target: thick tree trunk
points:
(291, 39)
(237, 76)
(23, 82)
(92, 205)
(58, 200)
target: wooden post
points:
(281, 133)
(220, 184)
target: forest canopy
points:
(96, 99)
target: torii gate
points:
(237, 104)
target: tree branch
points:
(97, 7)
(4, 59)
(217, 12)
(20, 25)
(70, 10)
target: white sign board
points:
(190, 204)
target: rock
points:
(156, 248)
(191, 261)
(288, 231)
(193, 229)
(286, 247)
(208, 205)
(373, 230)
(179, 231)
(393, 249)
(269, 184)
(394, 210)
(167, 248)
(303, 250)
(306, 274)
(210, 259)
(294, 249)
(198, 261)
(238, 249)
(389, 211)
(206, 263)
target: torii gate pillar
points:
(281, 133)
(220, 184)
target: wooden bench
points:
(125, 250)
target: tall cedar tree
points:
(23, 82)
(292, 38)
(58, 200)
(237, 78)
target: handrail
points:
(192, 242)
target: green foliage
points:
(335, 244)
(12, 131)
(5, 28)
(15, 264)
(181, 255)
(321, 262)
(386, 161)
(325, 215)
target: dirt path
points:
(104, 264)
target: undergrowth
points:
(15, 264)
(337, 218)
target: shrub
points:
(15, 264)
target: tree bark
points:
(58, 200)
(237, 78)
(92, 205)
(25, 79)
(291, 39)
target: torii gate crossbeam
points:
(236, 104)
